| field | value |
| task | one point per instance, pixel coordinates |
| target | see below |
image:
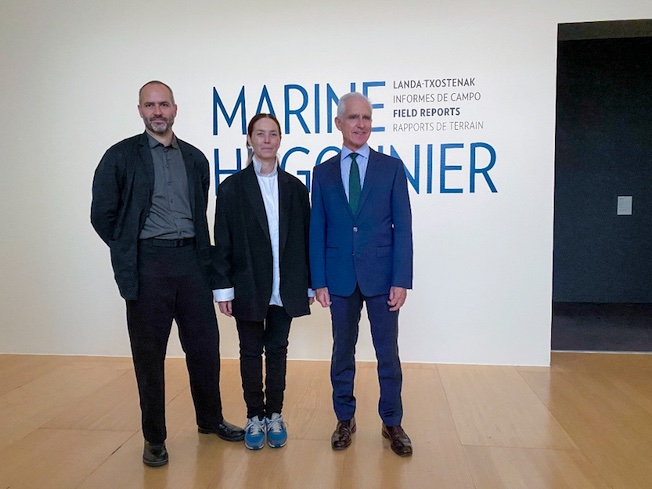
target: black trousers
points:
(172, 286)
(271, 337)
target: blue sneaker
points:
(255, 433)
(277, 435)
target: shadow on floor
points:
(601, 327)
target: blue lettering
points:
(484, 171)
(365, 91)
(304, 173)
(306, 177)
(443, 168)
(317, 122)
(429, 172)
(264, 97)
(296, 112)
(331, 102)
(412, 178)
(412, 172)
(240, 103)
(219, 172)
(296, 149)
(322, 153)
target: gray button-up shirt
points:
(170, 216)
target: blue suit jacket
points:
(372, 248)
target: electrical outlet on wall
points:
(624, 205)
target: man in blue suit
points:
(361, 252)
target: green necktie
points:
(354, 184)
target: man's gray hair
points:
(341, 106)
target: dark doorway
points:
(602, 259)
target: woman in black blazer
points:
(262, 221)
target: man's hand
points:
(225, 308)
(397, 296)
(323, 297)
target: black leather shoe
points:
(341, 437)
(226, 431)
(399, 441)
(155, 454)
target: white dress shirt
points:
(268, 184)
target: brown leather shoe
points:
(341, 437)
(399, 441)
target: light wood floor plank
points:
(438, 457)
(107, 409)
(19, 370)
(308, 406)
(602, 362)
(585, 422)
(494, 406)
(526, 468)
(298, 465)
(630, 373)
(233, 406)
(612, 429)
(56, 459)
(33, 404)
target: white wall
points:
(69, 80)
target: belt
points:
(168, 243)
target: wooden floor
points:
(586, 422)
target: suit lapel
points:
(334, 166)
(255, 198)
(285, 198)
(371, 175)
(191, 175)
(145, 154)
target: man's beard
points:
(160, 125)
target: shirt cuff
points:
(311, 293)
(223, 295)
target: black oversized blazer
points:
(243, 250)
(122, 196)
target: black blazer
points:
(243, 250)
(122, 196)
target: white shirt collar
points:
(258, 166)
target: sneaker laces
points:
(275, 424)
(255, 426)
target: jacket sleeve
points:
(305, 210)
(106, 202)
(223, 251)
(205, 179)
(402, 220)
(317, 236)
